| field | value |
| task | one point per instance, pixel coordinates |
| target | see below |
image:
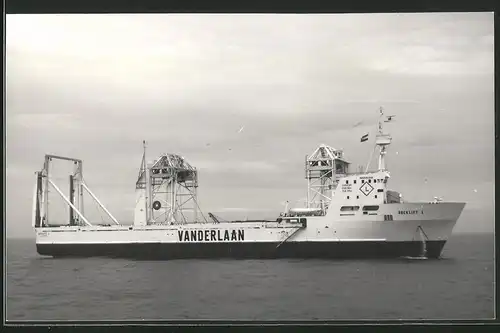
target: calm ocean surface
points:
(459, 286)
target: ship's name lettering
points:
(366, 177)
(409, 212)
(211, 235)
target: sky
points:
(94, 86)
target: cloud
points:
(429, 61)
(448, 44)
(239, 166)
(46, 121)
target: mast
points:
(142, 209)
(145, 170)
(45, 198)
(383, 140)
(143, 163)
(71, 199)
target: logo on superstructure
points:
(366, 189)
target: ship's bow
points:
(439, 224)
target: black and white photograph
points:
(249, 167)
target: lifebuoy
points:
(156, 205)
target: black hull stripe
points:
(244, 250)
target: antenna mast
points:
(382, 140)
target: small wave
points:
(415, 258)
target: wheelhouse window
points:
(370, 208)
(349, 208)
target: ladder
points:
(289, 236)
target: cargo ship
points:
(346, 215)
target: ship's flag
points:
(364, 138)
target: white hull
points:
(435, 220)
